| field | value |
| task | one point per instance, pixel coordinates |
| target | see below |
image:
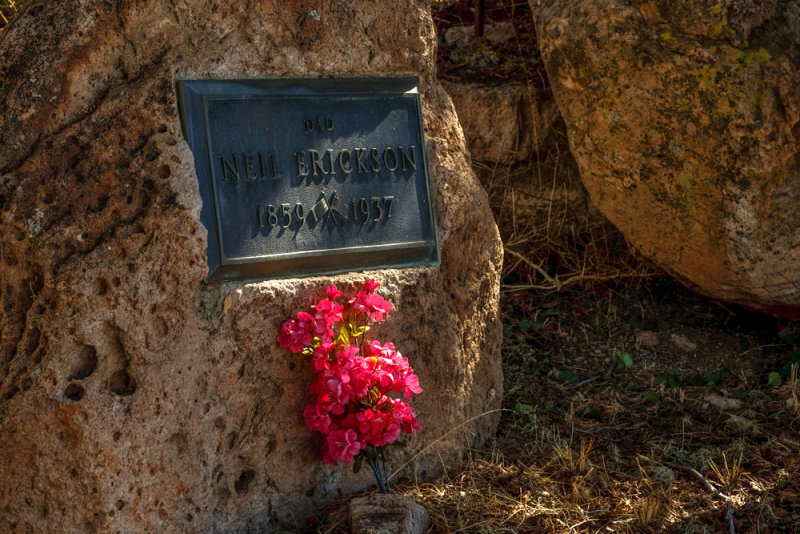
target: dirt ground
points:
(652, 382)
(635, 409)
(631, 403)
(508, 55)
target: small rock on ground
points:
(387, 514)
(683, 343)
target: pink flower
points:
(411, 383)
(402, 414)
(337, 384)
(386, 351)
(371, 285)
(317, 418)
(326, 314)
(321, 355)
(352, 407)
(333, 293)
(410, 425)
(343, 445)
(375, 306)
(389, 435)
(378, 427)
(346, 353)
(295, 334)
(361, 376)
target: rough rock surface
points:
(684, 117)
(503, 124)
(388, 513)
(494, 33)
(136, 398)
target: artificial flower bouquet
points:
(357, 384)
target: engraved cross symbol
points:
(320, 209)
(337, 208)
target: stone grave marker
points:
(139, 392)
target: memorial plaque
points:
(303, 177)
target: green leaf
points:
(712, 378)
(525, 324)
(774, 379)
(344, 337)
(523, 409)
(567, 376)
(523, 349)
(636, 323)
(789, 339)
(786, 370)
(527, 411)
(592, 412)
(507, 330)
(593, 319)
(663, 325)
(625, 361)
(715, 377)
(651, 397)
(360, 331)
(631, 385)
(549, 313)
(667, 378)
(357, 461)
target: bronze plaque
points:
(302, 177)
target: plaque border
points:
(192, 97)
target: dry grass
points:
(8, 9)
(728, 476)
(552, 237)
(573, 456)
(524, 485)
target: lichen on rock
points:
(683, 118)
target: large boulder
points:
(134, 396)
(684, 117)
(505, 124)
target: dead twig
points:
(592, 379)
(583, 382)
(728, 501)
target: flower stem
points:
(376, 463)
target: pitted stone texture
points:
(135, 398)
(684, 117)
